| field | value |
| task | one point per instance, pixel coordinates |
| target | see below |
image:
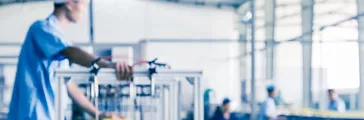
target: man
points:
(224, 112)
(335, 103)
(268, 110)
(43, 51)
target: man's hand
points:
(78, 56)
(123, 71)
(110, 116)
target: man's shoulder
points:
(38, 25)
(341, 101)
(270, 100)
(44, 27)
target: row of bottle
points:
(116, 98)
(119, 90)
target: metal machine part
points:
(153, 65)
(164, 105)
(112, 98)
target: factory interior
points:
(182, 59)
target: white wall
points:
(126, 21)
(17, 18)
(220, 69)
(161, 20)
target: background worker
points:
(224, 112)
(335, 102)
(43, 51)
(268, 110)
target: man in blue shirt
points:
(335, 102)
(268, 110)
(43, 51)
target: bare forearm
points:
(80, 99)
(76, 55)
(81, 57)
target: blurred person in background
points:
(209, 96)
(335, 102)
(268, 110)
(224, 112)
(44, 50)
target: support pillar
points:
(244, 19)
(360, 7)
(91, 22)
(2, 86)
(243, 66)
(306, 41)
(269, 36)
(253, 80)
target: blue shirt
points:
(33, 93)
(268, 109)
(337, 105)
(219, 115)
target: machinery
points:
(152, 93)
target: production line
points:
(135, 100)
(305, 60)
(132, 100)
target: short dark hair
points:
(58, 6)
(331, 90)
(226, 101)
(270, 88)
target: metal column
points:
(243, 26)
(2, 70)
(198, 101)
(253, 92)
(360, 7)
(60, 113)
(91, 20)
(92, 41)
(306, 41)
(269, 36)
(243, 69)
(2, 86)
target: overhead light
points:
(247, 17)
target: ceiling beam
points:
(6, 2)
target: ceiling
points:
(217, 3)
(5, 2)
